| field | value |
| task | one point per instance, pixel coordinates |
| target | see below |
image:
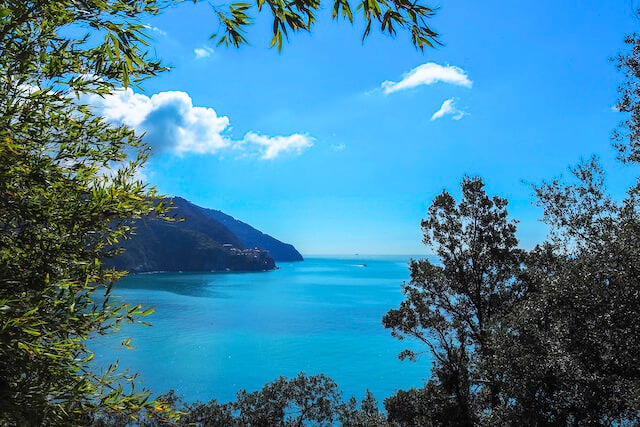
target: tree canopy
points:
(548, 336)
(452, 308)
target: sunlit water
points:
(214, 334)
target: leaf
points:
(147, 312)
(366, 30)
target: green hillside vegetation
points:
(193, 241)
(253, 238)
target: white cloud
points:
(338, 147)
(271, 146)
(427, 74)
(168, 119)
(449, 107)
(202, 52)
(170, 122)
(155, 29)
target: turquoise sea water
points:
(214, 334)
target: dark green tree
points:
(453, 307)
(627, 137)
(299, 401)
(367, 415)
(429, 406)
(549, 337)
(570, 352)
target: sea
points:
(213, 334)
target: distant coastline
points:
(200, 240)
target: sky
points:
(338, 146)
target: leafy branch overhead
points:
(300, 15)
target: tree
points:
(548, 337)
(67, 179)
(367, 415)
(627, 137)
(570, 352)
(452, 308)
(429, 406)
(296, 402)
(299, 401)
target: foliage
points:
(546, 337)
(367, 415)
(580, 318)
(627, 136)
(299, 401)
(65, 179)
(452, 307)
(300, 15)
(428, 406)
(570, 352)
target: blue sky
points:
(311, 146)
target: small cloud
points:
(427, 74)
(449, 108)
(271, 146)
(155, 29)
(202, 52)
(338, 147)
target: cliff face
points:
(253, 238)
(195, 242)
